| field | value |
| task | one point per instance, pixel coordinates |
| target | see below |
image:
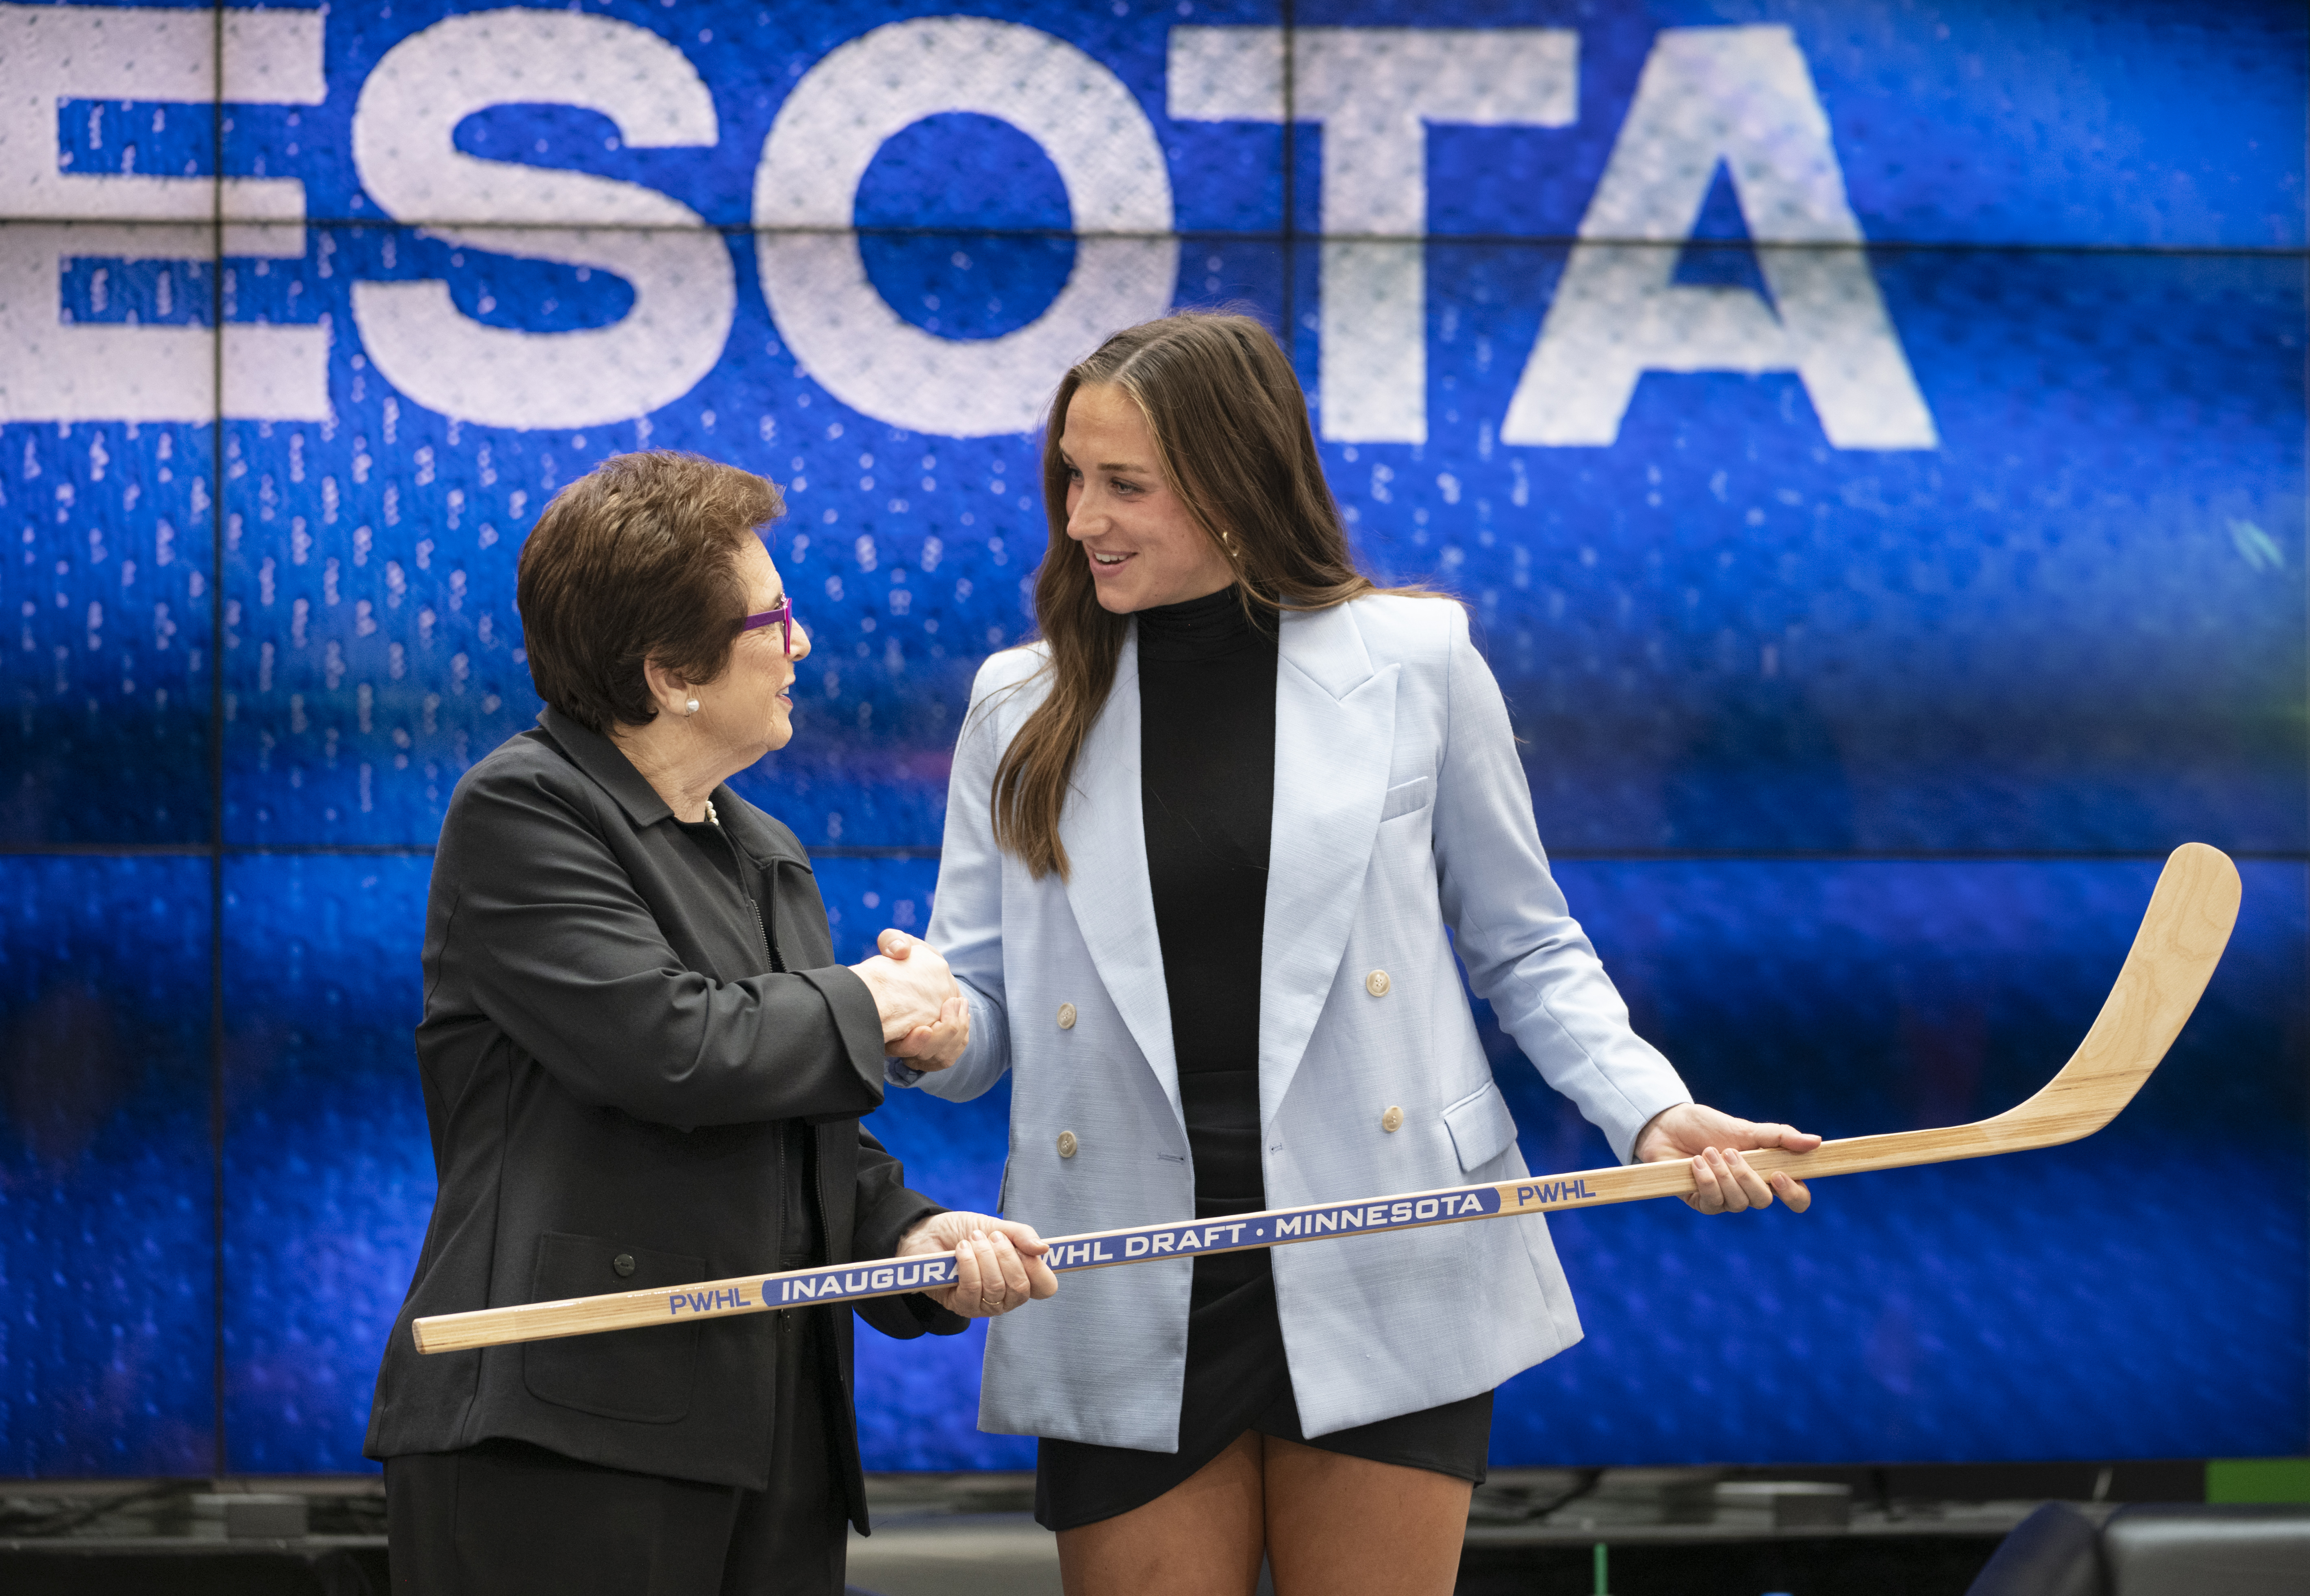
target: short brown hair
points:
(636, 560)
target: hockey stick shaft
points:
(2172, 957)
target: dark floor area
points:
(1898, 1530)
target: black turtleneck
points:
(1207, 785)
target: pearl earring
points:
(691, 708)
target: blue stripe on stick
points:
(839, 1282)
(1261, 1230)
(842, 1280)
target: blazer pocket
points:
(1481, 1126)
(642, 1376)
(1409, 798)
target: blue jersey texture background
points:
(1858, 763)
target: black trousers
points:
(505, 1518)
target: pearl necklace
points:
(712, 819)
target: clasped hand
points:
(998, 1262)
(925, 1017)
(1724, 1182)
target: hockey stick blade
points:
(2173, 954)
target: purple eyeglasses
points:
(782, 613)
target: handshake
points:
(925, 1018)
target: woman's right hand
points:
(932, 1047)
(1722, 1181)
(914, 990)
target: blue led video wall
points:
(1869, 437)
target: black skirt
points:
(1236, 1381)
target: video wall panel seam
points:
(739, 232)
(901, 851)
(217, 591)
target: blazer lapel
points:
(1334, 736)
(1108, 886)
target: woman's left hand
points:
(998, 1262)
(934, 1046)
(1723, 1183)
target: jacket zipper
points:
(777, 965)
(769, 872)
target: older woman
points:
(642, 1066)
(1204, 845)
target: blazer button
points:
(623, 1264)
(1066, 1017)
(1067, 1144)
(1378, 983)
(1391, 1121)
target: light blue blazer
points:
(1401, 811)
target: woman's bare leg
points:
(1201, 1538)
(1344, 1526)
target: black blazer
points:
(607, 1055)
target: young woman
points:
(1203, 845)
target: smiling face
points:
(748, 708)
(1143, 548)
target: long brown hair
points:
(1229, 424)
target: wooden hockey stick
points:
(2173, 954)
